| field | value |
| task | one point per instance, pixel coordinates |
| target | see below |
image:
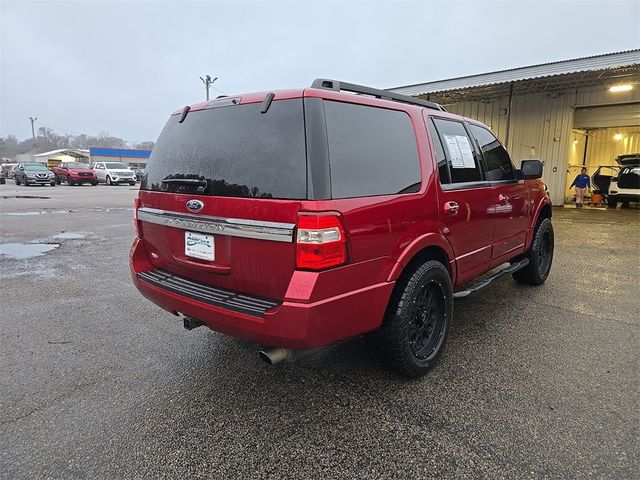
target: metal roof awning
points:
(65, 151)
(546, 78)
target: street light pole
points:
(208, 81)
(33, 130)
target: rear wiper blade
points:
(188, 181)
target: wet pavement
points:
(96, 382)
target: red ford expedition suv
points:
(302, 217)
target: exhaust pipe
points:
(274, 355)
(191, 323)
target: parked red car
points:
(299, 218)
(75, 173)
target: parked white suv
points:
(625, 187)
(113, 173)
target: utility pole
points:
(33, 130)
(207, 83)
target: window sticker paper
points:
(465, 150)
(455, 153)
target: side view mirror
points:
(530, 169)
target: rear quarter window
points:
(372, 151)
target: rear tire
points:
(417, 321)
(540, 256)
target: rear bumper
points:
(291, 324)
(625, 196)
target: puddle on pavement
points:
(24, 213)
(25, 196)
(20, 251)
(41, 212)
(69, 236)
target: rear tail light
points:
(136, 221)
(321, 242)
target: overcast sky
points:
(122, 67)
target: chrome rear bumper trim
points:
(234, 227)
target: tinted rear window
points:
(372, 151)
(233, 151)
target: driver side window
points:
(496, 158)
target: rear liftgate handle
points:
(451, 208)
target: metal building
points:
(571, 113)
(54, 158)
(135, 159)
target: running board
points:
(484, 283)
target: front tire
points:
(16, 181)
(132, 183)
(94, 183)
(540, 256)
(109, 181)
(611, 202)
(417, 321)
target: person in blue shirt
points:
(581, 182)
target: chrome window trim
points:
(234, 227)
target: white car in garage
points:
(113, 173)
(625, 187)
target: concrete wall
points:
(540, 126)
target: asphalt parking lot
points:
(97, 382)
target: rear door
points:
(465, 198)
(511, 206)
(222, 193)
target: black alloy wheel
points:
(540, 256)
(417, 321)
(425, 327)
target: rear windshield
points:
(233, 151)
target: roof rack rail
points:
(338, 86)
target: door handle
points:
(503, 199)
(451, 208)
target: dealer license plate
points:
(200, 246)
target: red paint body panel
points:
(384, 233)
(74, 174)
(302, 324)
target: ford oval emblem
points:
(195, 205)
